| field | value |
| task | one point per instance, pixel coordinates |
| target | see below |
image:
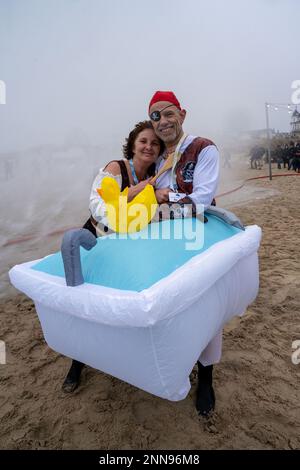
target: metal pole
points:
(268, 139)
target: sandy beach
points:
(256, 383)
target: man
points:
(195, 176)
(256, 155)
(296, 160)
(291, 154)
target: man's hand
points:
(162, 195)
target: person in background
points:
(227, 158)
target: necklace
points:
(135, 178)
(177, 156)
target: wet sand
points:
(256, 383)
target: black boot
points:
(73, 377)
(205, 402)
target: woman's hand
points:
(135, 190)
(162, 195)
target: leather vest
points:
(186, 165)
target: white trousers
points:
(213, 351)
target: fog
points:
(80, 73)
(89, 68)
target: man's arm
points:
(206, 176)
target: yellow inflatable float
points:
(124, 216)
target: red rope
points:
(25, 238)
(254, 178)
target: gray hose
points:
(70, 250)
(223, 214)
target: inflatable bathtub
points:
(148, 306)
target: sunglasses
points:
(156, 115)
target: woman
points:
(141, 151)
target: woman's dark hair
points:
(139, 127)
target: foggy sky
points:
(86, 69)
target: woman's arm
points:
(135, 190)
(97, 205)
